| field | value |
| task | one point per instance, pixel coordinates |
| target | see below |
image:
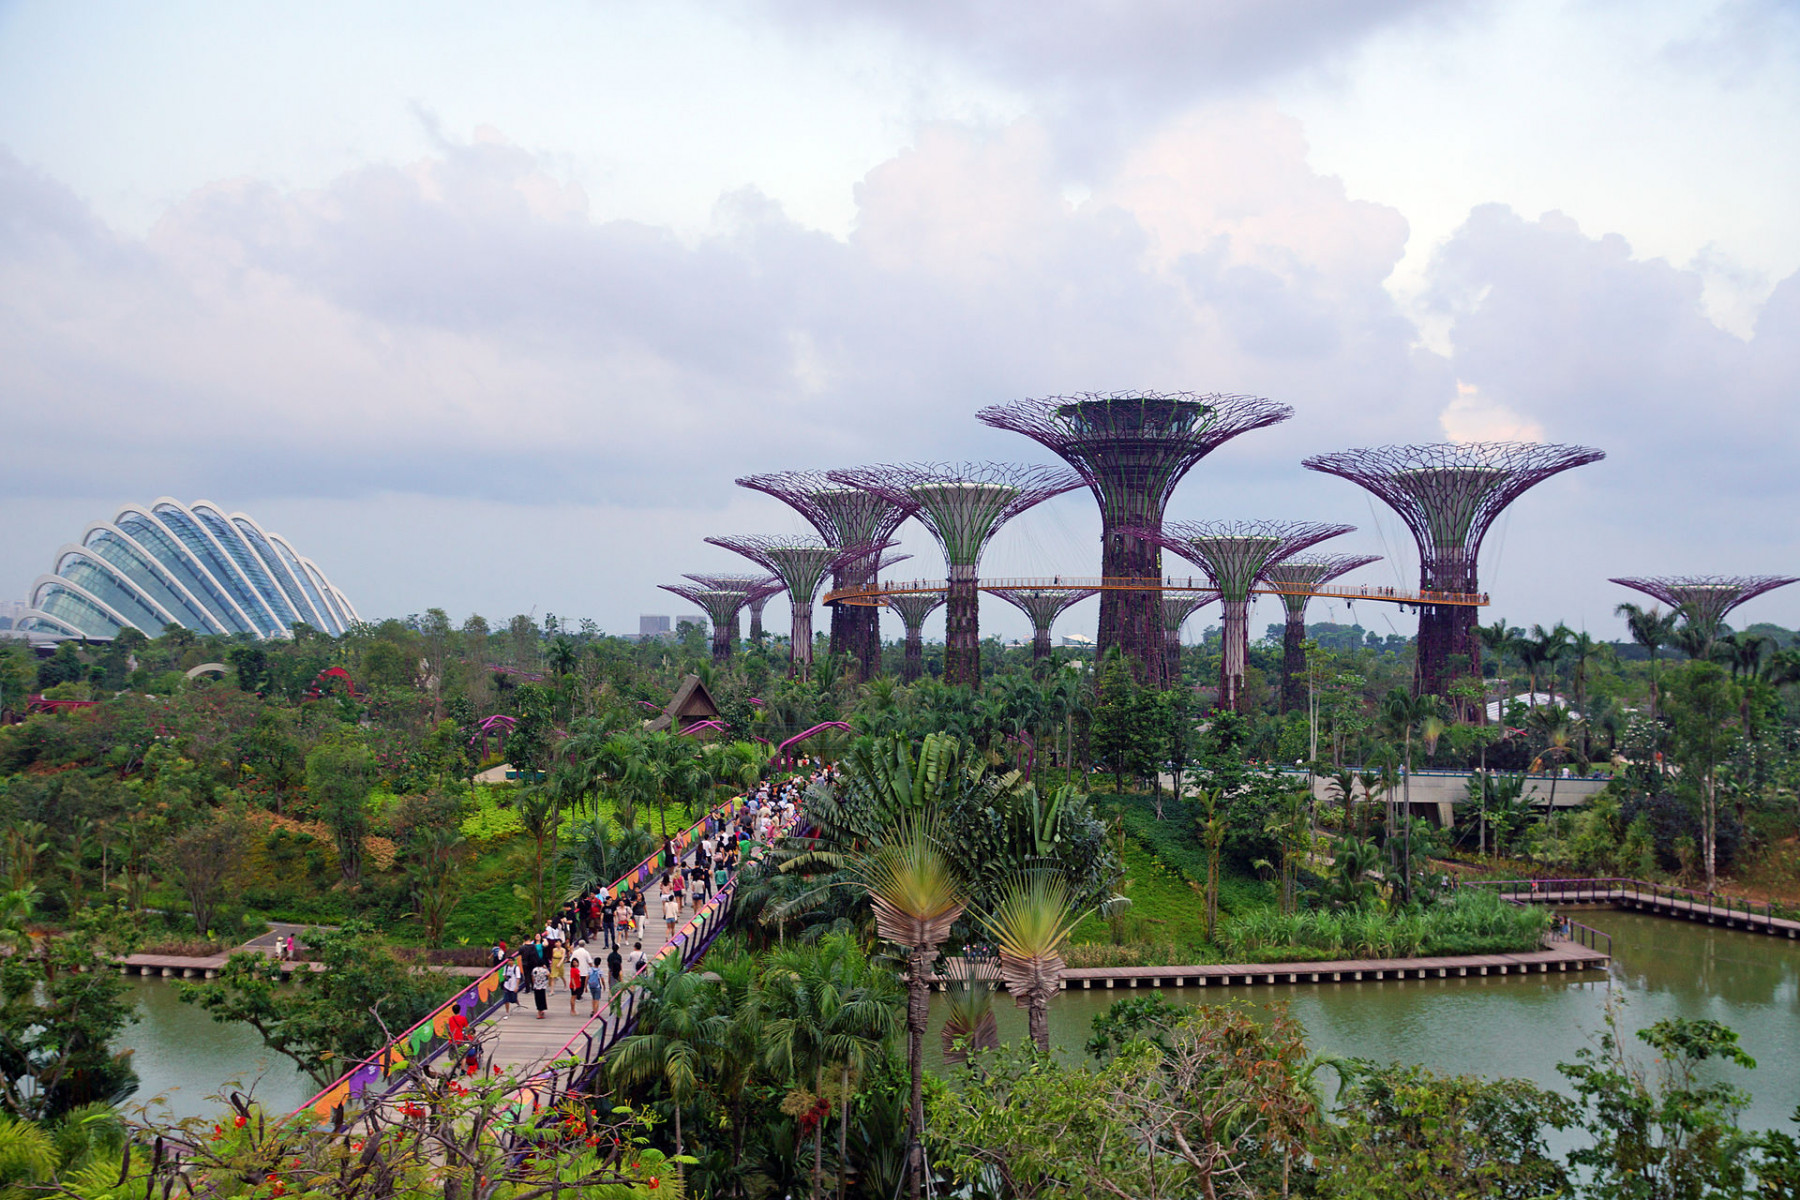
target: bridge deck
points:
(1670, 905)
(878, 593)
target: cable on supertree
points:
(1177, 607)
(801, 563)
(1297, 578)
(1042, 606)
(1131, 449)
(1449, 494)
(758, 589)
(721, 606)
(1234, 555)
(844, 516)
(962, 504)
(1706, 599)
(913, 608)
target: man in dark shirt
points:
(609, 914)
(615, 964)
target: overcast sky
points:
(484, 307)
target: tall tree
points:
(1704, 707)
(1652, 629)
(340, 773)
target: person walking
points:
(615, 964)
(580, 962)
(457, 1027)
(640, 908)
(596, 986)
(671, 911)
(509, 988)
(609, 913)
(556, 960)
(637, 958)
(540, 989)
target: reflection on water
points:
(1524, 1025)
(184, 1056)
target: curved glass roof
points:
(191, 565)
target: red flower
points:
(653, 1182)
(239, 1122)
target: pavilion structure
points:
(1301, 576)
(844, 516)
(1449, 494)
(1177, 607)
(1042, 606)
(1234, 555)
(913, 608)
(1131, 449)
(801, 563)
(962, 505)
(1705, 599)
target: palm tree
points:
(1547, 648)
(1500, 639)
(1652, 630)
(863, 1017)
(969, 1023)
(917, 898)
(1030, 926)
(1553, 726)
(672, 1038)
(1403, 713)
(1580, 651)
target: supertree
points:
(1705, 599)
(1449, 494)
(1234, 554)
(1296, 579)
(757, 590)
(844, 516)
(913, 608)
(1177, 607)
(721, 606)
(1131, 449)
(801, 564)
(962, 504)
(1042, 606)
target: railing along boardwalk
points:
(877, 594)
(1643, 896)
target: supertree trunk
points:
(1132, 620)
(914, 666)
(1293, 662)
(1040, 644)
(962, 629)
(756, 625)
(1171, 664)
(800, 652)
(724, 641)
(1236, 658)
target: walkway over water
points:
(1658, 898)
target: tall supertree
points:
(1042, 606)
(757, 590)
(1449, 494)
(721, 606)
(963, 505)
(801, 563)
(1234, 554)
(913, 608)
(1177, 607)
(844, 516)
(1296, 579)
(1131, 449)
(1705, 599)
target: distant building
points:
(653, 628)
(1077, 641)
(11, 611)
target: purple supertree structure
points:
(757, 590)
(844, 516)
(801, 563)
(1234, 555)
(1042, 606)
(913, 608)
(1296, 579)
(1449, 494)
(1131, 449)
(1177, 607)
(962, 504)
(1706, 599)
(721, 606)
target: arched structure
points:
(1302, 576)
(196, 566)
(913, 608)
(1234, 555)
(1449, 494)
(801, 563)
(1042, 606)
(1131, 449)
(844, 516)
(1706, 599)
(963, 505)
(1177, 607)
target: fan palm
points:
(969, 1023)
(672, 1038)
(1031, 926)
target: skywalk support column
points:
(1235, 554)
(1449, 494)
(963, 505)
(1299, 578)
(1131, 449)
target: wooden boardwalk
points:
(1652, 898)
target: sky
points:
(486, 308)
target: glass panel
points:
(178, 562)
(331, 601)
(216, 565)
(144, 572)
(226, 534)
(98, 580)
(77, 610)
(266, 553)
(327, 620)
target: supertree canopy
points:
(844, 516)
(1234, 554)
(1705, 599)
(1297, 578)
(721, 606)
(1131, 449)
(1449, 494)
(801, 563)
(757, 588)
(962, 504)
(913, 608)
(1043, 606)
(1177, 607)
